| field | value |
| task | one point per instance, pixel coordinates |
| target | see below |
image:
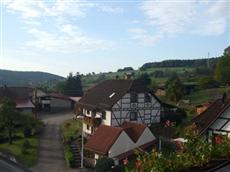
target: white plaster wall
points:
(107, 121)
(146, 137)
(124, 143)
(121, 145)
(85, 130)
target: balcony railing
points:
(95, 122)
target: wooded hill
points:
(19, 78)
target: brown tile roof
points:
(20, 95)
(209, 116)
(133, 130)
(107, 93)
(16, 92)
(103, 139)
(105, 136)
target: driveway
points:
(51, 158)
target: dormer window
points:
(147, 98)
(88, 112)
(133, 97)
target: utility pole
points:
(82, 148)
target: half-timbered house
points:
(215, 119)
(114, 101)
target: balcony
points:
(94, 122)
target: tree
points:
(104, 164)
(72, 86)
(9, 117)
(222, 72)
(174, 88)
(145, 79)
(208, 82)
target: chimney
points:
(128, 75)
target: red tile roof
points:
(24, 103)
(103, 139)
(133, 130)
(105, 136)
(210, 115)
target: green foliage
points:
(208, 82)
(68, 156)
(195, 153)
(104, 164)
(71, 129)
(125, 69)
(222, 69)
(172, 115)
(28, 78)
(25, 145)
(174, 88)
(72, 86)
(9, 117)
(30, 157)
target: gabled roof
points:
(103, 139)
(16, 92)
(133, 130)
(105, 136)
(210, 115)
(107, 93)
(20, 95)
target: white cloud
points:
(172, 18)
(141, 36)
(65, 36)
(66, 43)
(110, 9)
(169, 17)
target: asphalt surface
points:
(51, 157)
(8, 166)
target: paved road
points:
(8, 166)
(51, 158)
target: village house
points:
(114, 101)
(22, 96)
(118, 142)
(215, 119)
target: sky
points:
(62, 36)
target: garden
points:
(19, 134)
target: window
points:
(133, 97)
(88, 112)
(133, 116)
(147, 98)
(104, 115)
(88, 127)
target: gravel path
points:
(51, 158)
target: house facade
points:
(215, 119)
(115, 101)
(119, 142)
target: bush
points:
(104, 164)
(208, 82)
(25, 145)
(69, 156)
(27, 132)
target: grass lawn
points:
(71, 129)
(202, 96)
(30, 157)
